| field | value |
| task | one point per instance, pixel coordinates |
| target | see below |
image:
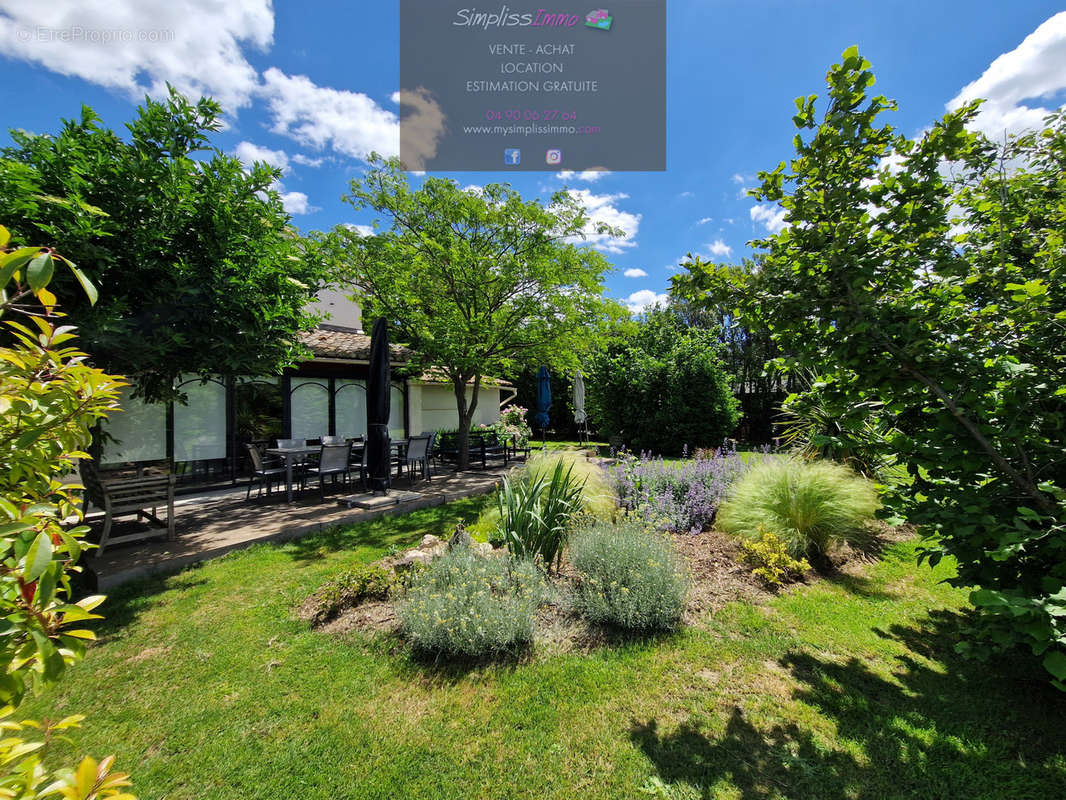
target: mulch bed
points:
(718, 578)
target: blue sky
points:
(309, 86)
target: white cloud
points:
(362, 230)
(719, 248)
(641, 301)
(1034, 70)
(601, 208)
(249, 153)
(588, 175)
(136, 47)
(738, 178)
(687, 194)
(307, 161)
(349, 122)
(771, 217)
(635, 273)
(296, 202)
(704, 220)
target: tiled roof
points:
(326, 342)
(434, 375)
(330, 342)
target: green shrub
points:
(627, 577)
(660, 386)
(818, 423)
(361, 582)
(811, 506)
(770, 560)
(536, 508)
(471, 606)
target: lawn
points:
(207, 686)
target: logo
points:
(599, 19)
(512, 156)
(554, 156)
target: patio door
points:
(200, 430)
(259, 416)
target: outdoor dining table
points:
(293, 455)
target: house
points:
(205, 438)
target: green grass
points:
(205, 685)
(565, 444)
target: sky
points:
(311, 87)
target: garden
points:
(598, 658)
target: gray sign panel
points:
(529, 87)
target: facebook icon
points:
(512, 156)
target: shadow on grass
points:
(127, 602)
(858, 585)
(397, 530)
(940, 726)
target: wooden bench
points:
(484, 447)
(121, 496)
(489, 447)
(516, 448)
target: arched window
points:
(310, 407)
(350, 407)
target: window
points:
(137, 433)
(310, 408)
(200, 424)
(350, 408)
(396, 408)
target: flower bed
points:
(679, 496)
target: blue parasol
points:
(544, 400)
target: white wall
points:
(341, 310)
(436, 407)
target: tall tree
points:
(924, 277)
(749, 354)
(200, 268)
(478, 282)
(661, 386)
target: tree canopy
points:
(199, 268)
(478, 282)
(925, 277)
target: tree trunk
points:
(466, 416)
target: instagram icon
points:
(554, 157)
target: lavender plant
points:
(675, 495)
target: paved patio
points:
(211, 524)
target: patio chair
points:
(418, 453)
(123, 496)
(431, 450)
(262, 474)
(332, 461)
(289, 443)
(334, 440)
(361, 466)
